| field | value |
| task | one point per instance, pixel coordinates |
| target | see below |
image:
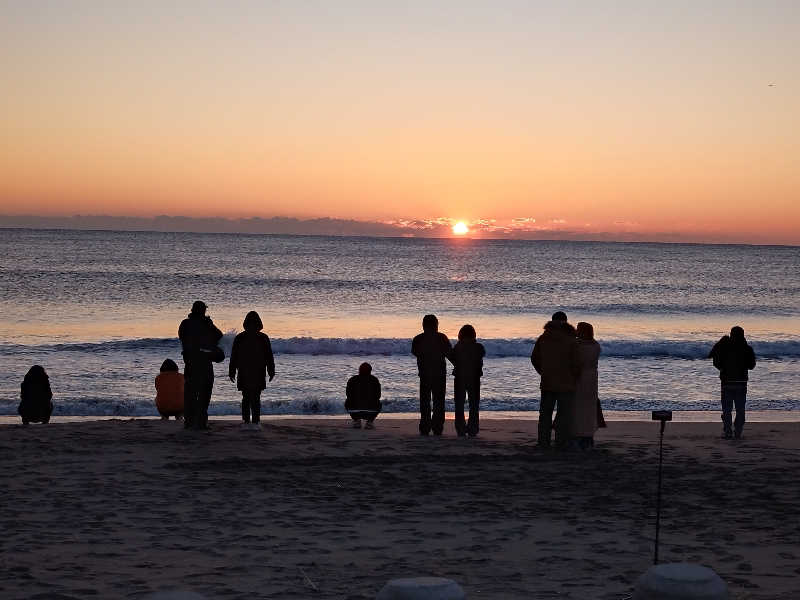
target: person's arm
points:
(270, 357)
(415, 346)
(536, 357)
(233, 364)
(348, 392)
(751, 358)
(216, 333)
(377, 389)
(447, 348)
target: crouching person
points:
(363, 397)
(36, 398)
(169, 391)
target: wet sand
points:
(314, 509)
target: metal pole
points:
(658, 495)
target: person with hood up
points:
(733, 357)
(431, 349)
(363, 397)
(199, 338)
(252, 357)
(468, 369)
(36, 398)
(554, 357)
(169, 391)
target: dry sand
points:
(315, 509)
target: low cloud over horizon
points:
(520, 228)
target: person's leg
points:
(245, 407)
(565, 401)
(189, 395)
(459, 395)
(424, 406)
(205, 399)
(727, 408)
(255, 406)
(739, 399)
(474, 403)
(439, 387)
(546, 406)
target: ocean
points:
(100, 311)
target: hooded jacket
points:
(36, 397)
(554, 357)
(169, 392)
(734, 358)
(252, 356)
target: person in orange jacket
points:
(169, 391)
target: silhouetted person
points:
(169, 391)
(36, 398)
(584, 413)
(363, 397)
(734, 357)
(199, 338)
(467, 360)
(554, 357)
(431, 349)
(252, 356)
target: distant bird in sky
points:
(771, 85)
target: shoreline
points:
(679, 416)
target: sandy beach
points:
(314, 509)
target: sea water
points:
(100, 311)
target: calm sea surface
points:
(100, 311)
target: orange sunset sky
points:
(628, 117)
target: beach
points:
(311, 508)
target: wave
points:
(495, 348)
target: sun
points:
(460, 228)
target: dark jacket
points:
(199, 337)
(468, 360)
(733, 358)
(35, 396)
(363, 393)
(554, 357)
(431, 348)
(252, 356)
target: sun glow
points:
(460, 228)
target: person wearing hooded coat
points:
(199, 338)
(554, 357)
(468, 356)
(734, 357)
(169, 391)
(585, 413)
(252, 357)
(431, 347)
(36, 397)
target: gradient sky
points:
(584, 116)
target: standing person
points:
(169, 391)
(584, 412)
(431, 349)
(363, 397)
(252, 356)
(199, 338)
(468, 362)
(554, 358)
(734, 357)
(36, 397)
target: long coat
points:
(583, 417)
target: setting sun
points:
(460, 228)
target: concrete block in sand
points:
(175, 595)
(680, 581)
(421, 588)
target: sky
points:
(640, 118)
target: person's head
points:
(365, 369)
(585, 331)
(199, 308)
(737, 334)
(467, 334)
(430, 323)
(169, 365)
(559, 316)
(36, 373)
(252, 322)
